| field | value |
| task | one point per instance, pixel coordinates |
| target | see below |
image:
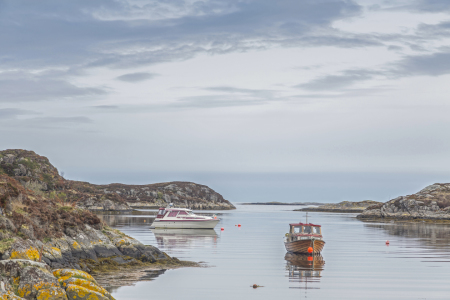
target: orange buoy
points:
(310, 258)
(255, 286)
(239, 225)
(222, 229)
(387, 242)
(310, 250)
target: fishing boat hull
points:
(301, 246)
(198, 224)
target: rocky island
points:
(36, 173)
(431, 203)
(51, 247)
(342, 207)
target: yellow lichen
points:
(50, 294)
(87, 284)
(16, 280)
(78, 292)
(73, 273)
(30, 254)
(75, 245)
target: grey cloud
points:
(136, 77)
(435, 64)
(106, 107)
(433, 6)
(7, 113)
(231, 96)
(215, 101)
(251, 92)
(332, 82)
(432, 65)
(124, 33)
(62, 120)
(25, 87)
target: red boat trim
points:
(303, 224)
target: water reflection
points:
(304, 269)
(169, 239)
(436, 236)
(127, 220)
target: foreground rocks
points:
(433, 203)
(36, 173)
(42, 230)
(26, 279)
(342, 207)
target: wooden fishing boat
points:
(303, 237)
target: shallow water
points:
(355, 263)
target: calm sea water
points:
(355, 264)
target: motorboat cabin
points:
(182, 218)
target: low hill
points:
(432, 202)
(342, 207)
(37, 174)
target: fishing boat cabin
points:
(304, 238)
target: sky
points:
(113, 89)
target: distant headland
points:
(36, 173)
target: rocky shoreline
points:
(342, 207)
(51, 247)
(431, 203)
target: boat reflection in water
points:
(168, 239)
(304, 268)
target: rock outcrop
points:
(342, 207)
(26, 279)
(36, 173)
(433, 202)
(181, 194)
(41, 230)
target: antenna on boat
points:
(306, 217)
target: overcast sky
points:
(228, 86)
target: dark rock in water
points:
(433, 202)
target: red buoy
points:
(310, 258)
(387, 242)
(239, 225)
(310, 250)
(222, 229)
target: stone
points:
(33, 279)
(54, 293)
(76, 292)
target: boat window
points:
(316, 230)
(307, 229)
(182, 213)
(172, 214)
(297, 229)
(161, 212)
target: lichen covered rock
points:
(432, 202)
(53, 293)
(80, 285)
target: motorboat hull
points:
(197, 224)
(301, 246)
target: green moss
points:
(47, 178)
(20, 211)
(5, 244)
(66, 208)
(160, 195)
(47, 239)
(29, 163)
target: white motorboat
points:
(183, 218)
